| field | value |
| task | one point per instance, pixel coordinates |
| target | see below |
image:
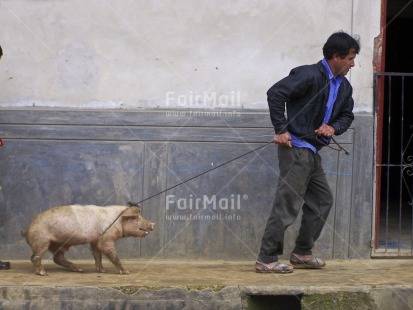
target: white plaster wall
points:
(168, 54)
(366, 23)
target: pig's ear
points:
(135, 211)
(133, 204)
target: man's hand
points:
(325, 130)
(283, 139)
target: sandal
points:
(278, 268)
(306, 261)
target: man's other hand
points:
(283, 139)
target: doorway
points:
(394, 106)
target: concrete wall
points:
(149, 54)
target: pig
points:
(58, 228)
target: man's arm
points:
(343, 121)
(294, 85)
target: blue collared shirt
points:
(335, 83)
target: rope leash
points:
(136, 204)
(339, 149)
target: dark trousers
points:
(301, 179)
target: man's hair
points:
(1, 52)
(340, 43)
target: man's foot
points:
(274, 267)
(306, 261)
(4, 265)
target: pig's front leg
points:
(97, 254)
(108, 248)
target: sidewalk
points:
(199, 284)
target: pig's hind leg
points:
(58, 251)
(97, 254)
(39, 248)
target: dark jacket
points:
(303, 95)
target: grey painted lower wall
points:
(56, 157)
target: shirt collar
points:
(330, 74)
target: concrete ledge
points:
(229, 297)
(183, 284)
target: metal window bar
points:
(396, 237)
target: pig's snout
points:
(148, 228)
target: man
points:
(307, 108)
(3, 265)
